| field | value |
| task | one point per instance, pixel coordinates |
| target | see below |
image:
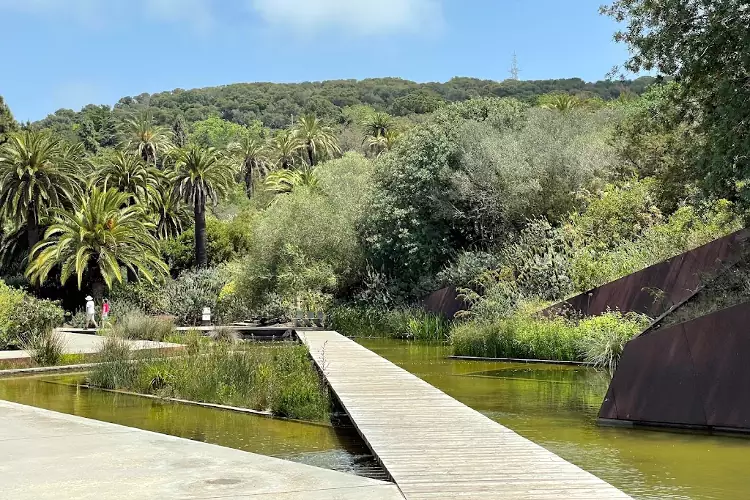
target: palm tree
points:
(379, 144)
(98, 237)
(285, 181)
(252, 152)
(36, 174)
(286, 148)
(171, 214)
(378, 124)
(317, 138)
(144, 137)
(561, 102)
(128, 173)
(201, 175)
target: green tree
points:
(97, 238)
(703, 44)
(180, 132)
(285, 148)
(8, 124)
(319, 140)
(201, 175)
(252, 153)
(144, 137)
(36, 174)
(378, 124)
(88, 136)
(216, 133)
(129, 174)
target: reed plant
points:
(278, 378)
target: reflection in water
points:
(556, 406)
(337, 448)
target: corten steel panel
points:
(655, 382)
(445, 302)
(720, 347)
(654, 290)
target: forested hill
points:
(274, 104)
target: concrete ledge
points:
(522, 360)
(50, 455)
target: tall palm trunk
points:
(32, 226)
(249, 178)
(201, 259)
(310, 154)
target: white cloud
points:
(356, 17)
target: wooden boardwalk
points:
(434, 446)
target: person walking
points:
(90, 312)
(105, 311)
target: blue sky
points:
(68, 53)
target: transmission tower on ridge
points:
(514, 71)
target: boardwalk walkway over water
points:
(436, 447)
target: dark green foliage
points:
(88, 136)
(654, 139)
(226, 241)
(180, 132)
(704, 45)
(274, 104)
(8, 124)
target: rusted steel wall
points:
(652, 291)
(694, 374)
(444, 302)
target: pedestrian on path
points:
(105, 311)
(90, 312)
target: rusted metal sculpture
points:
(657, 289)
(691, 375)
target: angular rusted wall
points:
(445, 302)
(652, 291)
(694, 374)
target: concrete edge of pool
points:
(47, 454)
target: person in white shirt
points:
(90, 312)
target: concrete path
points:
(50, 455)
(436, 447)
(81, 343)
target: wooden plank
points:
(434, 446)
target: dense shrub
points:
(457, 183)
(45, 348)
(226, 241)
(31, 318)
(363, 321)
(138, 326)
(686, 229)
(10, 300)
(599, 339)
(187, 295)
(305, 248)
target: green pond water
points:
(553, 405)
(337, 448)
(556, 407)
